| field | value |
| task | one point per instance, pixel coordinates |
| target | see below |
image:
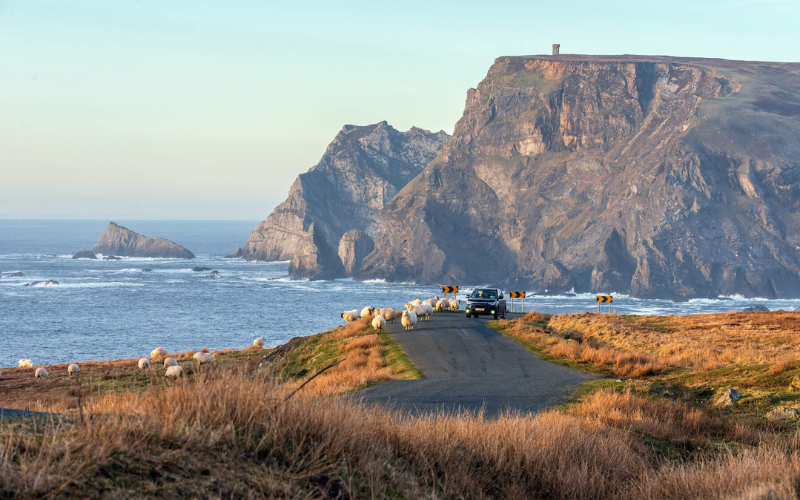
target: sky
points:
(193, 109)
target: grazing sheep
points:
(351, 315)
(144, 364)
(158, 352)
(378, 323)
(389, 314)
(73, 369)
(440, 306)
(174, 371)
(41, 372)
(259, 342)
(198, 355)
(25, 363)
(366, 312)
(170, 362)
(416, 301)
(427, 311)
(207, 358)
(408, 320)
(454, 304)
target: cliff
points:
(361, 170)
(656, 176)
(118, 240)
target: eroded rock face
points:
(353, 248)
(118, 240)
(361, 170)
(654, 176)
(316, 260)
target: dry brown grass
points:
(175, 438)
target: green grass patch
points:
(398, 358)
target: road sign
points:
(517, 295)
(449, 289)
(605, 298)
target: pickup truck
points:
(486, 302)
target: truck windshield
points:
(481, 293)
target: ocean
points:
(112, 309)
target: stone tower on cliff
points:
(556, 47)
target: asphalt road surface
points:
(467, 366)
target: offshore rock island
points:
(118, 240)
(661, 177)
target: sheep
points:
(207, 358)
(454, 304)
(158, 352)
(427, 310)
(366, 312)
(416, 301)
(170, 362)
(408, 320)
(25, 363)
(259, 342)
(197, 356)
(174, 371)
(417, 309)
(41, 372)
(389, 314)
(378, 323)
(377, 311)
(73, 369)
(144, 364)
(351, 315)
(440, 306)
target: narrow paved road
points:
(468, 365)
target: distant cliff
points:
(655, 176)
(118, 240)
(361, 170)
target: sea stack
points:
(84, 254)
(118, 240)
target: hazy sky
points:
(208, 110)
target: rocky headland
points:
(361, 170)
(661, 177)
(118, 240)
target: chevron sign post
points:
(449, 289)
(517, 295)
(604, 299)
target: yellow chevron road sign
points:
(517, 295)
(605, 298)
(449, 289)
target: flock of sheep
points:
(174, 370)
(416, 310)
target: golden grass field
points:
(234, 431)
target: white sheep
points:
(389, 314)
(207, 358)
(366, 312)
(408, 320)
(144, 364)
(427, 310)
(416, 301)
(41, 372)
(378, 323)
(440, 306)
(259, 342)
(170, 362)
(174, 371)
(417, 309)
(25, 363)
(158, 352)
(454, 304)
(351, 315)
(377, 311)
(73, 369)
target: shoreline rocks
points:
(118, 240)
(84, 254)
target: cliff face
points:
(361, 170)
(660, 177)
(118, 240)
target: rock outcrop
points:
(655, 176)
(118, 240)
(84, 254)
(316, 260)
(353, 249)
(361, 170)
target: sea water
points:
(112, 309)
